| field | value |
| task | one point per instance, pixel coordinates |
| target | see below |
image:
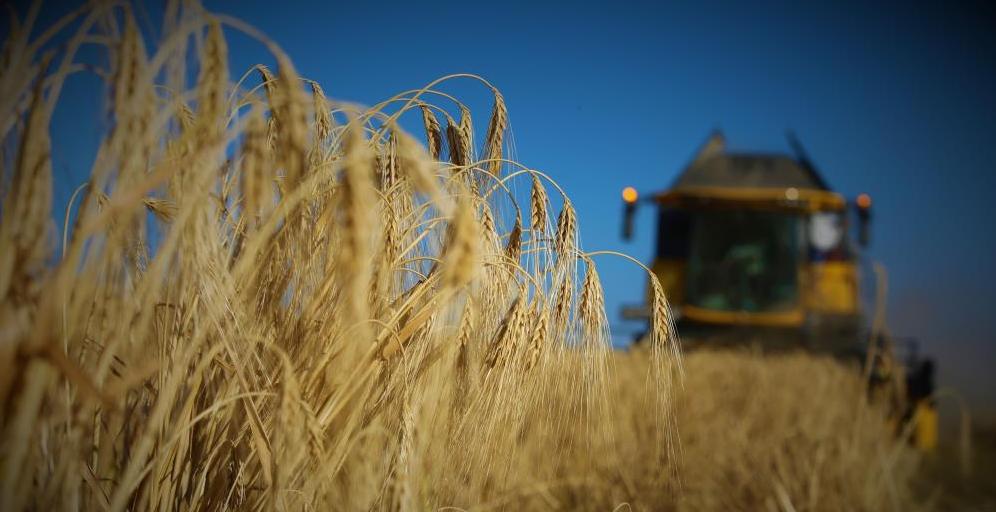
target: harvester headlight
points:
(864, 201)
(630, 195)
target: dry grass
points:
(321, 314)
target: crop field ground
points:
(266, 299)
(951, 482)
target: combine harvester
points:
(754, 249)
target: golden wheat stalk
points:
(433, 133)
(496, 134)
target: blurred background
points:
(893, 100)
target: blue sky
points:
(891, 99)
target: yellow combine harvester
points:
(755, 248)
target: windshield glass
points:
(744, 261)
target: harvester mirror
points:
(863, 205)
(630, 197)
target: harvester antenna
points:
(803, 157)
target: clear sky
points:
(892, 99)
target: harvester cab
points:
(755, 248)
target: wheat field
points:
(263, 298)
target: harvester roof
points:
(714, 167)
